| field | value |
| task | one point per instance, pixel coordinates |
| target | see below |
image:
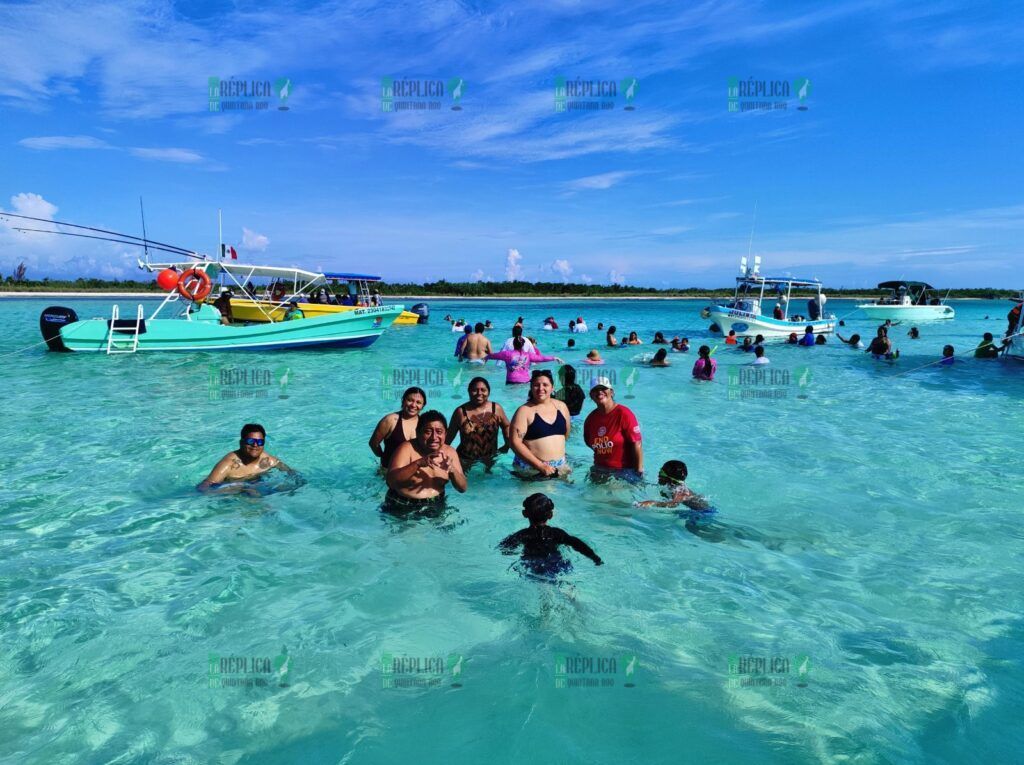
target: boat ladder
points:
(123, 334)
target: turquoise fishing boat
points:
(183, 322)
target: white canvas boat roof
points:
(242, 270)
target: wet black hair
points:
(479, 327)
(517, 330)
(542, 373)
(759, 351)
(660, 355)
(948, 348)
(414, 389)
(252, 427)
(428, 417)
(674, 470)
(468, 329)
(517, 341)
(704, 352)
(854, 338)
(476, 380)
(538, 508)
(809, 328)
(820, 340)
(572, 343)
(611, 330)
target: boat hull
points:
(908, 313)
(352, 329)
(265, 311)
(750, 325)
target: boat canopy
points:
(334, 276)
(239, 269)
(778, 280)
(908, 286)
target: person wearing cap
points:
(613, 432)
(594, 358)
(223, 304)
(293, 311)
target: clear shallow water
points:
(869, 520)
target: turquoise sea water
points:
(869, 531)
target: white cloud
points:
(562, 268)
(586, 278)
(168, 155)
(480, 276)
(614, 277)
(599, 182)
(33, 205)
(50, 142)
(253, 241)
(513, 270)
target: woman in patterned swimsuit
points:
(478, 422)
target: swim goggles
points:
(253, 441)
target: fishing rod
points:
(171, 249)
(144, 241)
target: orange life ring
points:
(194, 285)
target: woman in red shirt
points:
(613, 432)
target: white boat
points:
(909, 302)
(743, 314)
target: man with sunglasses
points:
(247, 462)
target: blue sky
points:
(906, 163)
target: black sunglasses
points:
(253, 441)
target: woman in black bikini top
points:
(389, 436)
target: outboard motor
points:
(50, 322)
(423, 311)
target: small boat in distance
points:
(183, 322)
(743, 314)
(908, 301)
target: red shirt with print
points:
(608, 433)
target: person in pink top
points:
(518, 361)
(705, 367)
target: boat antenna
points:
(172, 250)
(750, 247)
(183, 250)
(145, 243)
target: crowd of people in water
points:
(419, 458)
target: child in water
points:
(540, 542)
(947, 356)
(672, 478)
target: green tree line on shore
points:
(444, 288)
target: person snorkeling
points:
(672, 479)
(540, 542)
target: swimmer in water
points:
(881, 347)
(246, 463)
(853, 342)
(659, 359)
(987, 348)
(672, 479)
(540, 542)
(914, 334)
(948, 359)
(422, 468)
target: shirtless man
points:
(422, 468)
(248, 461)
(477, 346)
